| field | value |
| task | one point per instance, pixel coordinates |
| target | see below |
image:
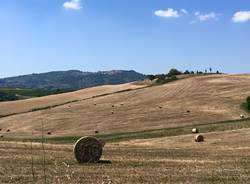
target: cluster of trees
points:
(171, 75)
(7, 97)
(201, 72)
(164, 78)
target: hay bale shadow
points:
(104, 162)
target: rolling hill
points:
(113, 109)
(72, 79)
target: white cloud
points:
(206, 17)
(184, 11)
(169, 13)
(197, 13)
(72, 4)
(241, 16)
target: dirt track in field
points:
(208, 98)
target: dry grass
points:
(53, 100)
(222, 158)
(209, 98)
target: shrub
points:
(151, 77)
(163, 79)
(248, 103)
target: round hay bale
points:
(188, 111)
(112, 112)
(195, 130)
(0, 129)
(242, 116)
(8, 130)
(199, 138)
(102, 142)
(113, 105)
(96, 132)
(88, 150)
(49, 133)
(1, 136)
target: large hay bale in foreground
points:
(199, 138)
(88, 150)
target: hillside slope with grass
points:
(187, 102)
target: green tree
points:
(173, 72)
(7, 97)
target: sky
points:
(149, 36)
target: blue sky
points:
(149, 36)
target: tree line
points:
(173, 73)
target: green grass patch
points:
(30, 93)
(166, 132)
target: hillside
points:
(15, 107)
(72, 79)
(208, 98)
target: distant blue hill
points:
(72, 79)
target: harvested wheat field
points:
(22, 106)
(148, 132)
(191, 101)
(224, 157)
